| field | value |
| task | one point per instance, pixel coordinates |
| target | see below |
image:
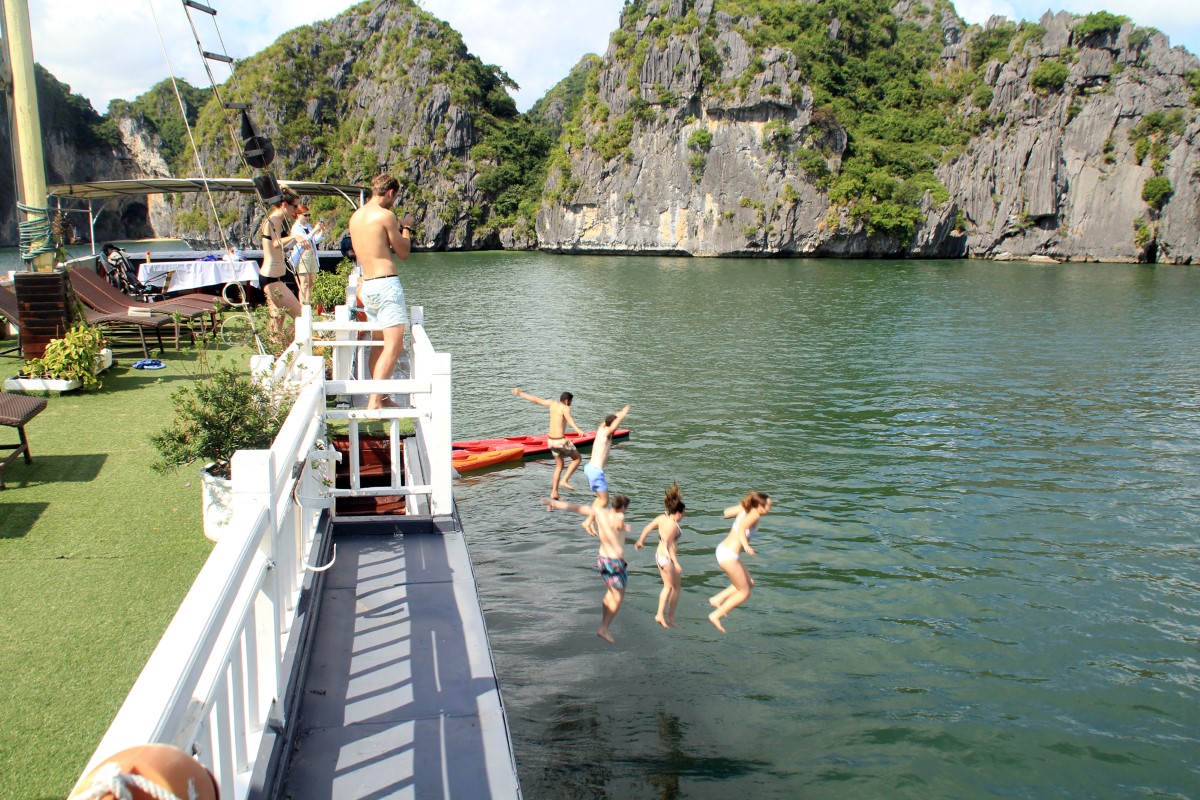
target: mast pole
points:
(31, 188)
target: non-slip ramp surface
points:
(401, 698)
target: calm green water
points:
(981, 576)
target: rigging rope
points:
(212, 81)
(34, 232)
(183, 111)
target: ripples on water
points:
(981, 575)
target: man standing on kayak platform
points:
(560, 445)
(376, 236)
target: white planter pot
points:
(216, 497)
(40, 385)
(103, 362)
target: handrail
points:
(219, 674)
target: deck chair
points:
(11, 312)
(122, 275)
(116, 324)
(96, 292)
(15, 412)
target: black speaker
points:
(268, 189)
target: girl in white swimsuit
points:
(748, 512)
(666, 556)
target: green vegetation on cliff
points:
(158, 111)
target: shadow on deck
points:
(400, 698)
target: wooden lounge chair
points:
(15, 411)
(97, 293)
(11, 311)
(115, 324)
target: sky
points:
(106, 49)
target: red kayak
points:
(534, 445)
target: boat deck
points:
(401, 697)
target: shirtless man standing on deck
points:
(376, 236)
(560, 445)
(610, 529)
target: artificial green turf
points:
(96, 553)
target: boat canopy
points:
(105, 191)
(95, 190)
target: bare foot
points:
(716, 620)
(661, 621)
(554, 495)
(712, 601)
(566, 486)
(605, 635)
(672, 623)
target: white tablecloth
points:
(187, 275)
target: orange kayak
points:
(465, 460)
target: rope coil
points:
(34, 232)
(109, 780)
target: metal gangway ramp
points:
(400, 697)
(324, 655)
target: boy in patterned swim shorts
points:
(611, 529)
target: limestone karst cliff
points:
(854, 128)
(749, 128)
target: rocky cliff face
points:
(1052, 169)
(856, 128)
(383, 88)
(1062, 175)
(72, 152)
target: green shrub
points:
(700, 140)
(1156, 191)
(1050, 76)
(990, 44)
(1098, 23)
(982, 96)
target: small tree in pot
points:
(222, 412)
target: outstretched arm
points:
(570, 420)
(563, 505)
(646, 532)
(533, 398)
(732, 511)
(620, 415)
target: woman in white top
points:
(729, 555)
(304, 254)
(666, 557)
(275, 237)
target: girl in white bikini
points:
(749, 511)
(666, 557)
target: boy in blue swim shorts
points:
(611, 529)
(594, 470)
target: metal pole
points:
(28, 126)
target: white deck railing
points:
(214, 685)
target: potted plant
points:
(70, 362)
(224, 410)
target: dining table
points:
(182, 276)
